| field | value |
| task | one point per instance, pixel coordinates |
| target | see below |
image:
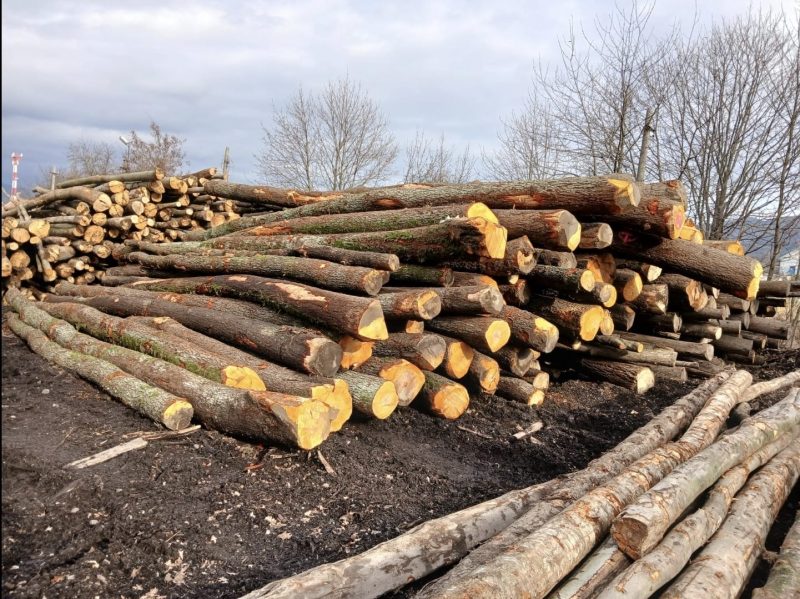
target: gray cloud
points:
(211, 71)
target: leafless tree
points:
(433, 161)
(338, 139)
(90, 158)
(164, 151)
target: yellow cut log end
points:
(178, 415)
(354, 351)
(312, 423)
(372, 325)
(407, 378)
(575, 239)
(458, 359)
(497, 335)
(341, 404)
(590, 322)
(481, 210)
(242, 377)
(536, 398)
(626, 193)
(450, 401)
(385, 401)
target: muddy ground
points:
(211, 516)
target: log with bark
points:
(549, 229)
(425, 350)
(595, 236)
(457, 358)
(485, 333)
(483, 373)
(634, 377)
(516, 389)
(530, 330)
(579, 321)
(442, 397)
(373, 396)
(414, 304)
(568, 280)
(553, 258)
(704, 351)
(408, 379)
(516, 359)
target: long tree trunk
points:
(83, 194)
(322, 273)
(784, 576)
(357, 316)
(643, 524)
(161, 406)
(152, 175)
(302, 349)
(704, 351)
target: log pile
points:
(628, 525)
(439, 290)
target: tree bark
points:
(517, 294)
(623, 316)
(724, 566)
(653, 216)
(302, 349)
(684, 293)
(643, 524)
(161, 406)
(373, 396)
(357, 316)
(703, 351)
(735, 274)
(772, 327)
(408, 379)
(670, 373)
(733, 345)
(483, 373)
(770, 386)
(559, 259)
(634, 377)
(568, 280)
(613, 194)
(671, 322)
(653, 299)
(579, 321)
(151, 175)
(442, 397)
(433, 276)
(425, 351)
(263, 194)
(531, 330)
(650, 573)
(595, 236)
(702, 330)
(475, 299)
(628, 283)
(84, 194)
(588, 580)
(414, 304)
(519, 258)
(516, 358)
(775, 288)
(516, 389)
(485, 333)
(648, 272)
(549, 229)
(316, 272)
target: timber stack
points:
(681, 508)
(370, 300)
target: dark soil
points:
(211, 516)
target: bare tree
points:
(164, 151)
(433, 161)
(90, 158)
(335, 140)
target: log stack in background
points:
(417, 294)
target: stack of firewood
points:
(677, 509)
(426, 294)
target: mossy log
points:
(413, 274)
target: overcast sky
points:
(211, 71)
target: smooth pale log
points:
(653, 299)
(357, 316)
(483, 373)
(383, 220)
(457, 358)
(595, 236)
(530, 330)
(580, 321)
(568, 280)
(628, 283)
(417, 304)
(161, 406)
(634, 377)
(549, 229)
(516, 389)
(611, 194)
(732, 247)
(594, 573)
(485, 333)
(425, 351)
(724, 566)
(442, 397)
(408, 379)
(516, 359)
(784, 576)
(300, 348)
(623, 316)
(704, 351)
(770, 386)
(650, 573)
(643, 524)
(373, 396)
(553, 258)
(739, 275)
(412, 274)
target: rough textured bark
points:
(623, 316)
(433, 243)
(518, 390)
(661, 356)
(580, 321)
(415, 304)
(595, 236)
(784, 576)
(735, 274)
(648, 272)
(670, 373)
(483, 373)
(733, 345)
(516, 294)
(653, 299)
(264, 194)
(648, 574)
(151, 175)
(357, 316)
(516, 359)
(83, 194)
(775, 288)
(347, 257)
(475, 299)
(408, 379)
(772, 327)
(602, 264)
(652, 216)
(671, 322)
(373, 396)
(568, 280)
(612, 194)
(560, 259)
(531, 330)
(433, 276)
(303, 349)
(442, 397)
(724, 566)
(628, 283)
(161, 406)
(485, 333)
(643, 524)
(704, 351)
(684, 293)
(701, 330)
(519, 258)
(322, 273)
(549, 229)
(425, 351)
(634, 377)
(250, 414)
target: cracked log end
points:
(241, 377)
(626, 194)
(630, 536)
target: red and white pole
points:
(15, 158)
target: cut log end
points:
(481, 210)
(408, 380)
(497, 335)
(590, 322)
(458, 359)
(496, 238)
(450, 401)
(385, 401)
(354, 352)
(644, 381)
(587, 280)
(627, 193)
(311, 423)
(429, 305)
(240, 377)
(372, 325)
(178, 415)
(341, 401)
(324, 356)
